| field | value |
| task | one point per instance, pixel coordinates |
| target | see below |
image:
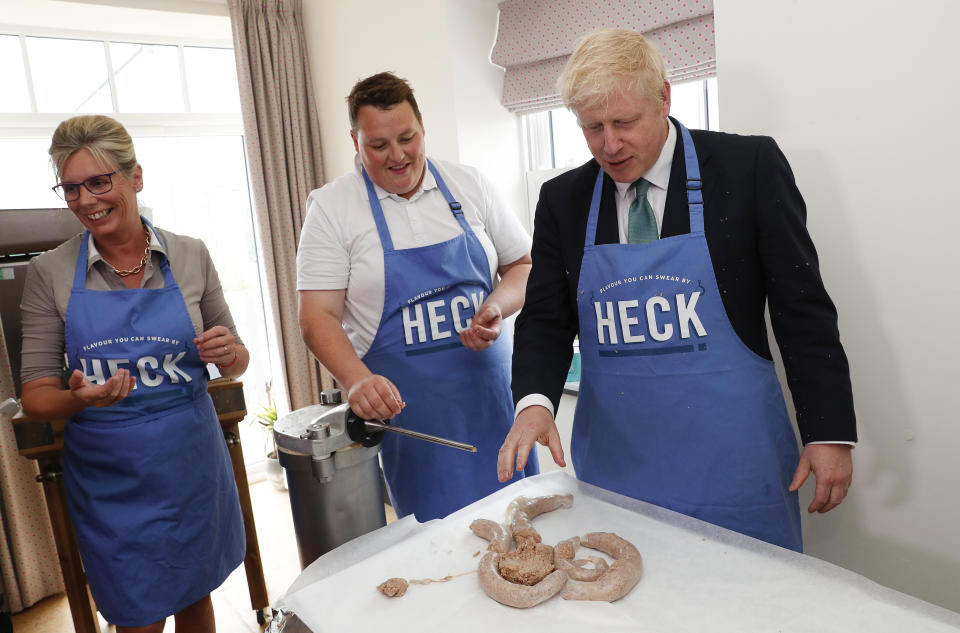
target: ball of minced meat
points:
(393, 588)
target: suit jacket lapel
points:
(608, 231)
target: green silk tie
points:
(641, 224)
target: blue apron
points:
(149, 482)
(430, 294)
(673, 408)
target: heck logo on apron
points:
(626, 320)
(444, 320)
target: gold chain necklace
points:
(143, 260)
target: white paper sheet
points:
(697, 577)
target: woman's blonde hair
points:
(105, 138)
(611, 60)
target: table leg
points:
(82, 608)
(252, 563)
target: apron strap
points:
(80, 271)
(455, 206)
(590, 238)
(378, 218)
(694, 184)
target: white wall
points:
(442, 48)
(862, 97)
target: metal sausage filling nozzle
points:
(364, 430)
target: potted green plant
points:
(266, 418)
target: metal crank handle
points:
(380, 426)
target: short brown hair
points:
(384, 91)
(105, 138)
(608, 60)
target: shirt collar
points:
(659, 174)
(94, 256)
(428, 183)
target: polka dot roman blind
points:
(535, 38)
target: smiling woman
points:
(181, 130)
(138, 313)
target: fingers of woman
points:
(386, 402)
(476, 338)
(360, 406)
(375, 397)
(130, 385)
(218, 341)
(115, 389)
(120, 389)
(76, 380)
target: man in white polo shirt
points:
(406, 268)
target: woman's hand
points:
(484, 329)
(374, 398)
(109, 393)
(218, 346)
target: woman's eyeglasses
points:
(96, 185)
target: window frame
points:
(29, 124)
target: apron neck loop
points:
(455, 206)
(385, 240)
(80, 271)
(591, 236)
(694, 184)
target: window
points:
(83, 89)
(181, 105)
(14, 96)
(554, 141)
(147, 78)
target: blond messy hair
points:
(105, 138)
(607, 61)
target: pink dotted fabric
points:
(535, 38)
(29, 568)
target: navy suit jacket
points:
(755, 225)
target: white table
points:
(697, 578)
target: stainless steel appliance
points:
(330, 459)
(334, 482)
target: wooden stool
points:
(43, 441)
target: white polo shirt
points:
(340, 248)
